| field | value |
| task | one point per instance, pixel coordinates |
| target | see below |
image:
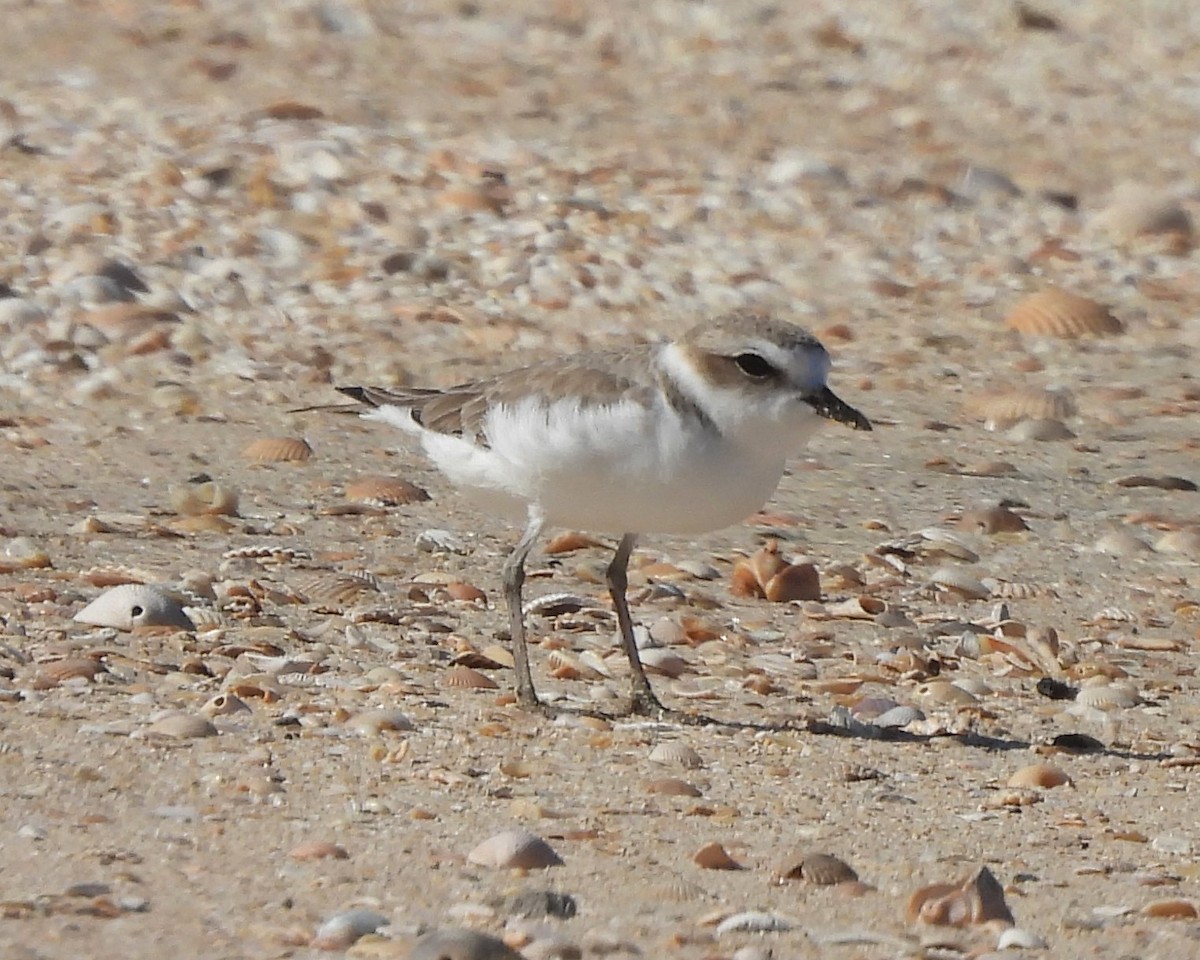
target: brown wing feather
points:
(601, 377)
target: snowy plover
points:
(685, 436)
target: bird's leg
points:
(644, 701)
(514, 579)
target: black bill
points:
(829, 405)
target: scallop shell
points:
(713, 856)
(821, 869)
(277, 450)
(467, 678)
(1056, 313)
(1042, 775)
(1003, 407)
(1107, 696)
(515, 850)
(135, 605)
(674, 753)
(459, 944)
(331, 590)
(385, 491)
(181, 726)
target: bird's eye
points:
(754, 366)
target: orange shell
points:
(277, 450)
(1056, 313)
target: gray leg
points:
(644, 700)
(514, 579)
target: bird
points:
(681, 436)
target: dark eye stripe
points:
(754, 366)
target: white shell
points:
(752, 922)
(674, 753)
(958, 581)
(515, 849)
(1108, 696)
(135, 605)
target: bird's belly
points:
(695, 497)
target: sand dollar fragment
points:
(515, 850)
(135, 605)
(1057, 313)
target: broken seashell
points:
(979, 900)
(1042, 775)
(69, 668)
(1185, 541)
(1040, 431)
(957, 581)
(766, 575)
(224, 704)
(753, 921)
(991, 521)
(343, 930)
(318, 850)
(515, 850)
(1135, 210)
(856, 608)
(373, 723)
(1122, 543)
(384, 491)
(675, 753)
(1174, 908)
(713, 856)
(277, 450)
(134, 605)
(459, 944)
(821, 869)
(181, 726)
(673, 787)
(203, 499)
(1057, 313)
(663, 662)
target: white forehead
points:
(805, 362)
